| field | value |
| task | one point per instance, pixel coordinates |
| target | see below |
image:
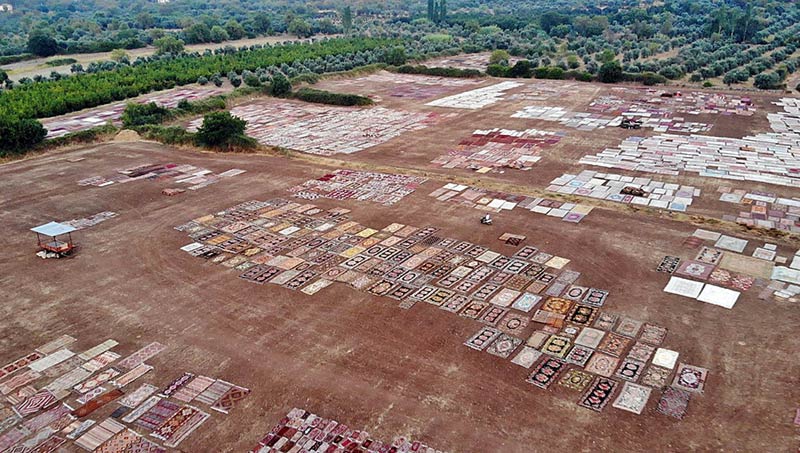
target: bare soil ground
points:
(358, 358)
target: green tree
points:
(145, 20)
(141, 114)
(432, 10)
(218, 34)
(347, 19)
(168, 44)
(220, 129)
(234, 29)
(300, 28)
(42, 44)
(500, 57)
(197, 33)
(119, 55)
(18, 135)
(610, 72)
(396, 56)
(3, 76)
(280, 86)
(262, 23)
(442, 10)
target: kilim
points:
(186, 429)
(690, 378)
(98, 434)
(76, 428)
(50, 360)
(141, 355)
(157, 415)
(674, 402)
(19, 364)
(598, 394)
(20, 379)
(137, 372)
(136, 397)
(513, 323)
(181, 416)
(140, 410)
(630, 370)
(614, 344)
(606, 321)
(119, 442)
(632, 398)
(526, 357)
(602, 364)
(546, 372)
(629, 327)
(226, 402)
(557, 346)
(97, 403)
(96, 380)
(504, 346)
(12, 436)
(579, 355)
(56, 344)
(63, 367)
(90, 394)
(575, 379)
(653, 335)
(8, 418)
(669, 264)
(195, 387)
(50, 445)
(214, 392)
(176, 385)
(97, 350)
(100, 361)
(483, 338)
(656, 376)
(641, 351)
(68, 380)
(35, 403)
(45, 418)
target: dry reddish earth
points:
(358, 358)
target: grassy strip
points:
(327, 97)
(440, 72)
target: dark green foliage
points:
(306, 77)
(61, 61)
(141, 114)
(222, 130)
(280, 86)
(41, 43)
(549, 72)
(300, 28)
(88, 90)
(170, 135)
(19, 135)
(440, 72)
(326, 97)
(610, 72)
(3, 76)
(768, 81)
(396, 56)
(168, 44)
(347, 19)
(496, 70)
(523, 69)
(8, 59)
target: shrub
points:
(441, 72)
(172, 135)
(496, 70)
(610, 72)
(280, 86)
(223, 131)
(326, 97)
(140, 114)
(306, 77)
(19, 135)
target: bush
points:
(141, 114)
(223, 131)
(61, 61)
(440, 72)
(496, 70)
(707, 84)
(173, 135)
(524, 69)
(306, 77)
(768, 81)
(326, 97)
(280, 86)
(549, 72)
(202, 80)
(19, 135)
(610, 72)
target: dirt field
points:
(359, 359)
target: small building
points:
(50, 238)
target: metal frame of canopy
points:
(52, 231)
